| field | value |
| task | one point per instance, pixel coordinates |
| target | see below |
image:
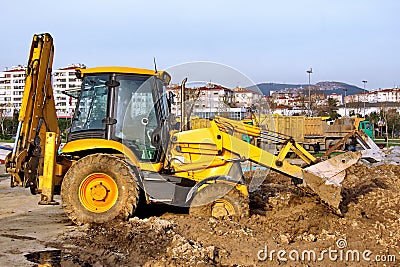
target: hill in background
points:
(325, 87)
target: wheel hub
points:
(98, 192)
(222, 208)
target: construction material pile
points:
(391, 157)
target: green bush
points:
(5, 136)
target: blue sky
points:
(269, 41)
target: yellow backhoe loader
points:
(124, 148)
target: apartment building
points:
(337, 97)
(65, 79)
(245, 97)
(207, 101)
(376, 96)
(12, 84)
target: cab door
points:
(141, 116)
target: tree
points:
(392, 118)
(374, 118)
(332, 108)
(63, 125)
(262, 109)
(328, 109)
(3, 111)
(303, 102)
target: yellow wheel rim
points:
(98, 192)
(222, 208)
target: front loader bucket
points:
(325, 178)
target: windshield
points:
(92, 104)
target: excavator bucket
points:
(325, 178)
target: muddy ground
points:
(26, 227)
(284, 218)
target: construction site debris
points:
(391, 157)
(284, 217)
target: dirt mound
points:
(148, 242)
(284, 217)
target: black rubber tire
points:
(204, 200)
(125, 178)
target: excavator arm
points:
(217, 143)
(324, 178)
(287, 142)
(37, 138)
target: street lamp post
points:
(364, 82)
(309, 90)
(344, 100)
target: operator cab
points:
(127, 105)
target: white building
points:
(212, 100)
(245, 97)
(388, 95)
(12, 84)
(337, 97)
(377, 96)
(64, 79)
(372, 97)
(353, 108)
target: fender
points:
(95, 143)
